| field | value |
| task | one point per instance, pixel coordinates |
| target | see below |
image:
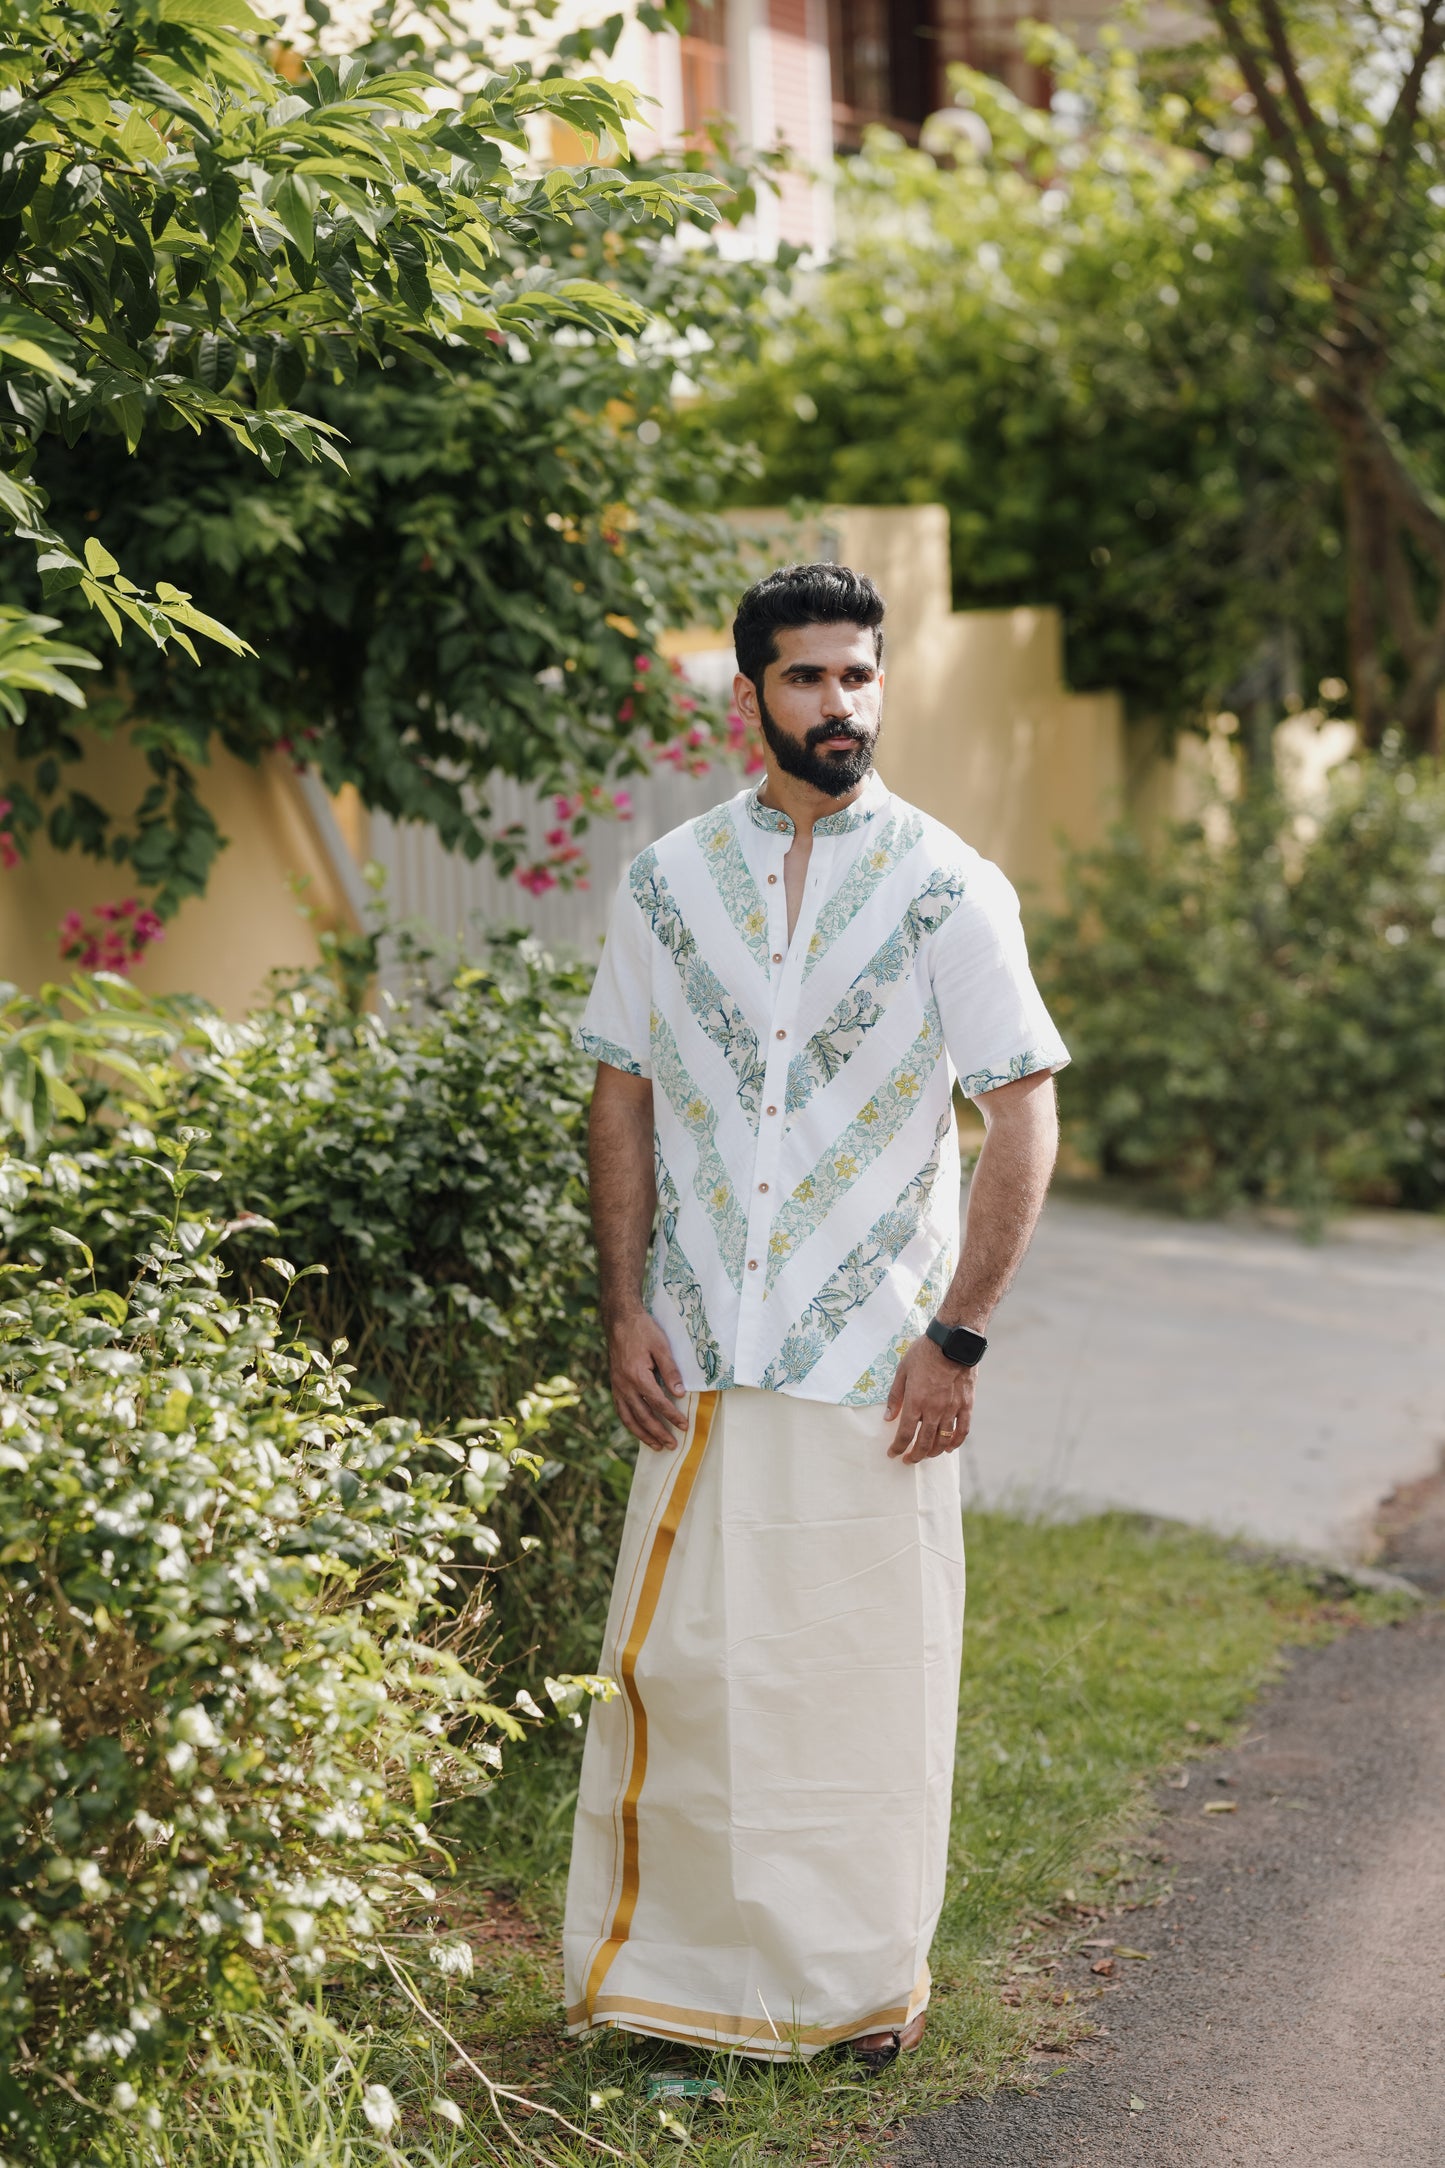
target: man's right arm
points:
(646, 1382)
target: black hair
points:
(802, 595)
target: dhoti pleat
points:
(762, 1830)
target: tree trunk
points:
(1365, 541)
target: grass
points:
(1096, 1654)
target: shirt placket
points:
(786, 962)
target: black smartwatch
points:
(960, 1343)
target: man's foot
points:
(877, 2050)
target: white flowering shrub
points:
(241, 1660)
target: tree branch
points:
(1327, 157)
(1383, 194)
(1416, 507)
(1250, 63)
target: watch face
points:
(959, 1343)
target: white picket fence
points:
(462, 899)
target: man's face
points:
(820, 705)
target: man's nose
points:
(837, 700)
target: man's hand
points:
(933, 1400)
(645, 1380)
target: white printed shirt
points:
(806, 1155)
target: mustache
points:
(822, 732)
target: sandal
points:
(898, 2041)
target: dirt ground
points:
(1288, 2012)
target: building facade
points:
(814, 74)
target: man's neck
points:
(802, 804)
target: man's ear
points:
(745, 698)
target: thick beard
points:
(834, 774)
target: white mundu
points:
(763, 1823)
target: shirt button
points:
(777, 956)
(763, 1186)
(752, 1264)
(782, 1035)
(772, 880)
(772, 1110)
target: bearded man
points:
(791, 987)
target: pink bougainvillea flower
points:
(625, 712)
(642, 665)
(120, 936)
(622, 804)
(536, 879)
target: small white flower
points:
(447, 2110)
(196, 1728)
(453, 1960)
(378, 2107)
(123, 2097)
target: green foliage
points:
(201, 228)
(191, 227)
(242, 1652)
(432, 1159)
(471, 594)
(1262, 1016)
(1088, 340)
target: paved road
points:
(1232, 1376)
(1290, 2016)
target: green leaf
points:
(294, 203)
(72, 1943)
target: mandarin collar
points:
(865, 807)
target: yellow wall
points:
(221, 945)
(978, 727)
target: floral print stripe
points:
(615, 1056)
(716, 1010)
(685, 1288)
(877, 1380)
(848, 1289)
(1028, 1063)
(710, 1183)
(865, 1137)
(873, 864)
(717, 839)
(865, 1004)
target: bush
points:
(432, 1158)
(242, 1657)
(1263, 1017)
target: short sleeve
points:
(616, 1023)
(995, 1025)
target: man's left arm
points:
(931, 1396)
